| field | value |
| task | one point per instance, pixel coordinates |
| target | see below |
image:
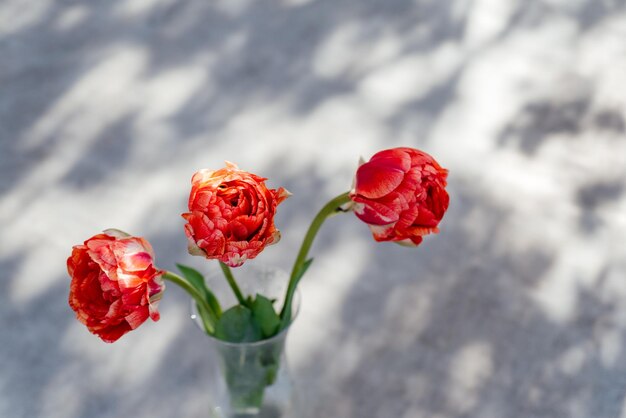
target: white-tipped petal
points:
(117, 233)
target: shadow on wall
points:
(592, 198)
(210, 61)
(463, 338)
(542, 120)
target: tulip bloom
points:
(231, 215)
(400, 194)
(115, 287)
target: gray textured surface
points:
(517, 309)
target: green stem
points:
(233, 284)
(209, 323)
(331, 208)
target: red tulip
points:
(400, 193)
(231, 215)
(115, 286)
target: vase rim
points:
(295, 309)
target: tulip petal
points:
(410, 242)
(281, 194)
(274, 238)
(137, 317)
(381, 232)
(397, 158)
(373, 212)
(373, 181)
(112, 333)
(117, 233)
(193, 248)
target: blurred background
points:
(516, 309)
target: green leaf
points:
(265, 316)
(237, 325)
(194, 276)
(197, 280)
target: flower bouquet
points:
(115, 286)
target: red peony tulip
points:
(231, 215)
(400, 193)
(115, 286)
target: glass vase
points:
(252, 379)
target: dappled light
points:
(515, 309)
